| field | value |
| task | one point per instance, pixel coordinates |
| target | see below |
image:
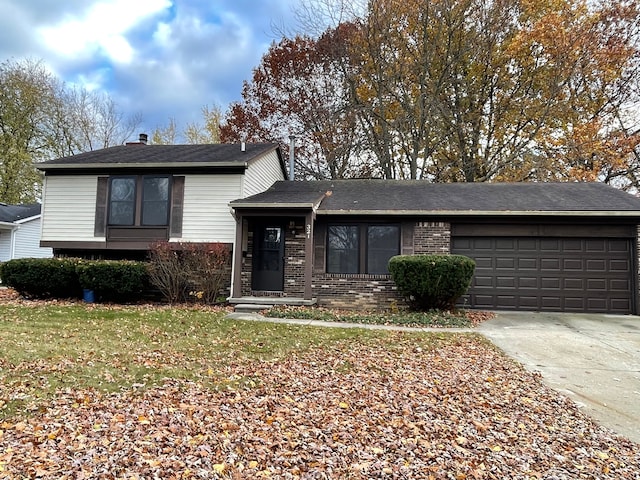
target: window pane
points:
(122, 201)
(155, 201)
(383, 242)
(342, 251)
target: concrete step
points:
(250, 307)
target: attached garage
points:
(568, 269)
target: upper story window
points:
(361, 248)
(139, 200)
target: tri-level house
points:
(114, 202)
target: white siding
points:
(261, 174)
(26, 241)
(207, 215)
(5, 245)
(69, 208)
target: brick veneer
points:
(367, 292)
(375, 292)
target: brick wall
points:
(375, 292)
(432, 237)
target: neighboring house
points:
(537, 246)
(114, 202)
(20, 232)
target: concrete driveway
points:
(592, 359)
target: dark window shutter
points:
(407, 238)
(177, 206)
(100, 227)
(319, 247)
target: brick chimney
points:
(142, 140)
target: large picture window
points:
(142, 200)
(361, 248)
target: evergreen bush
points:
(42, 277)
(432, 281)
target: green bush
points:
(432, 281)
(114, 280)
(42, 277)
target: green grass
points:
(48, 348)
(433, 318)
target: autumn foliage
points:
(456, 90)
(185, 271)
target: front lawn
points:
(94, 391)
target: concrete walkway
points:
(592, 359)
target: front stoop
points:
(255, 304)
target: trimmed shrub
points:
(432, 281)
(114, 280)
(42, 277)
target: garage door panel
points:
(527, 282)
(550, 264)
(505, 263)
(508, 244)
(572, 245)
(618, 266)
(548, 244)
(527, 263)
(572, 264)
(482, 281)
(621, 246)
(596, 265)
(596, 245)
(552, 274)
(573, 283)
(619, 285)
(550, 283)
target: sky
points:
(158, 58)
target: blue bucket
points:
(88, 295)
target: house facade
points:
(115, 202)
(20, 232)
(537, 246)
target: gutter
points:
(160, 165)
(472, 213)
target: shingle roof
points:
(138, 155)
(415, 196)
(14, 213)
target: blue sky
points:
(159, 58)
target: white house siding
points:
(69, 208)
(261, 174)
(5, 245)
(26, 241)
(207, 215)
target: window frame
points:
(363, 245)
(138, 203)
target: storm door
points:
(268, 258)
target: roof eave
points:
(304, 205)
(475, 213)
(116, 165)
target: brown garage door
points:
(553, 274)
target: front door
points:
(268, 258)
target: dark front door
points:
(268, 258)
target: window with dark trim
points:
(139, 200)
(361, 248)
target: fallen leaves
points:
(356, 409)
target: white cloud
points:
(102, 29)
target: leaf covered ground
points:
(361, 406)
